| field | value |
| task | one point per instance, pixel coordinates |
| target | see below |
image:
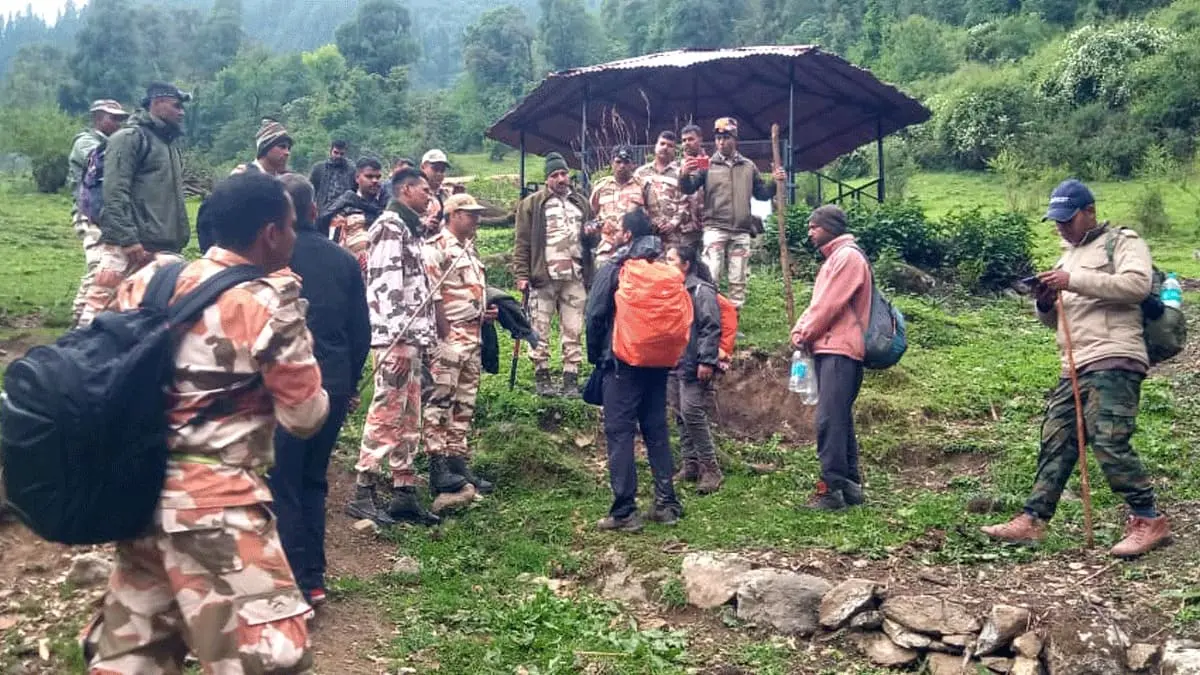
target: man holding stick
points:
(1093, 298)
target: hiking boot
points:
(690, 471)
(1142, 535)
(542, 384)
(442, 478)
(631, 523)
(459, 466)
(570, 388)
(852, 493)
(365, 506)
(465, 496)
(826, 499)
(407, 507)
(666, 514)
(710, 477)
(1024, 529)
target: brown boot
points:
(1024, 529)
(1142, 535)
(690, 471)
(710, 477)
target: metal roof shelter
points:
(825, 106)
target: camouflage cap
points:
(108, 105)
(462, 202)
(726, 125)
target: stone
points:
(1141, 657)
(960, 641)
(624, 586)
(905, 637)
(845, 600)
(1004, 623)
(945, 664)
(785, 601)
(366, 525)
(407, 566)
(867, 621)
(1181, 657)
(712, 579)
(881, 651)
(997, 664)
(1028, 645)
(931, 615)
(908, 279)
(89, 569)
(1082, 643)
(449, 501)
(1026, 666)
(945, 648)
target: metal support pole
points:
(583, 163)
(879, 157)
(522, 166)
(791, 158)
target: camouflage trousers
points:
(676, 239)
(1110, 405)
(112, 268)
(212, 581)
(567, 300)
(728, 251)
(393, 425)
(455, 369)
(89, 233)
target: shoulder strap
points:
(189, 307)
(162, 286)
(871, 269)
(1110, 242)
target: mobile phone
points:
(702, 163)
(1031, 281)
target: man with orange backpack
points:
(638, 319)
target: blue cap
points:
(1066, 200)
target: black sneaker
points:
(666, 514)
(631, 523)
(826, 499)
(364, 506)
(852, 493)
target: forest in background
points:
(1098, 88)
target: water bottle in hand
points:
(803, 380)
(1171, 293)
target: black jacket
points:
(511, 318)
(705, 342)
(337, 308)
(350, 202)
(331, 180)
(601, 300)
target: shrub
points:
(1008, 38)
(975, 123)
(1098, 64)
(900, 227)
(1149, 212)
(43, 135)
(988, 251)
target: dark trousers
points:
(838, 380)
(299, 485)
(637, 398)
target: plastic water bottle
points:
(1171, 293)
(803, 380)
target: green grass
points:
(481, 166)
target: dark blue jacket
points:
(601, 300)
(337, 308)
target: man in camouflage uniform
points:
(434, 165)
(460, 306)
(1102, 279)
(211, 576)
(553, 263)
(664, 201)
(107, 118)
(691, 225)
(402, 327)
(612, 198)
(351, 215)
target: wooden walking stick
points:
(1079, 426)
(781, 205)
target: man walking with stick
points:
(1093, 298)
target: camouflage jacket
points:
(610, 202)
(463, 285)
(397, 288)
(251, 351)
(664, 201)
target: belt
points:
(211, 461)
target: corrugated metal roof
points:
(838, 106)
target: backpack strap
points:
(162, 286)
(189, 307)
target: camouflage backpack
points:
(1164, 328)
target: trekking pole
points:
(1079, 426)
(512, 370)
(781, 224)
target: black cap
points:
(623, 152)
(164, 90)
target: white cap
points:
(435, 156)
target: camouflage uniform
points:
(112, 268)
(1110, 405)
(691, 224)
(352, 235)
(610, 202)
(564, 294)
(211, 576)
(87, 231)
(402, 327)
(664, 201)
(455, 365)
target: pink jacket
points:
(841, 302)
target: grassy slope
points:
(972, 385)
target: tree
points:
(378, 38)
(497, 50)
(107, 62)
(567, 34)
(916, 48)
(34, 77)
(220, 37)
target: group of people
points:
(235, 559)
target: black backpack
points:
(83, 423)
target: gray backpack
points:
(885, 338)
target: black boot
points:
(364, 506)
(442, 478)
(406, 506)
(459, 466)
(542, 384)
(570, 388)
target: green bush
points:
(1150, 213)
(50, 172)
(43, 134)
(900, 227)
(988, 251)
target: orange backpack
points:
(654, 315)
(729, 327)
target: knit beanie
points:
(555, 162)
(270, 134)
(830, 218)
